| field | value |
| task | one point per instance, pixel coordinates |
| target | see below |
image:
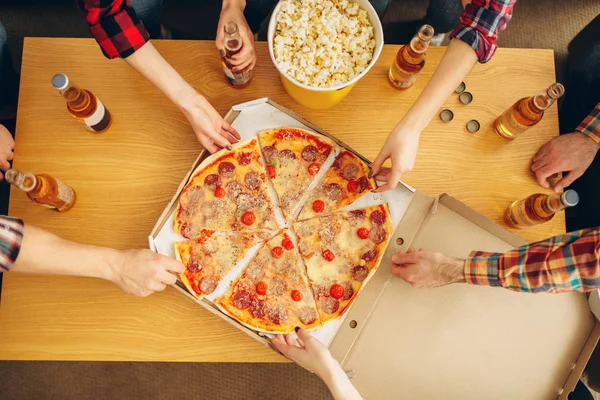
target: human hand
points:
(401, 148)
(7, 146)
(211, 129)
(245, 60)
(427, 269)
(143, 272)
(573, 152)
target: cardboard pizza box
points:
(454, 342)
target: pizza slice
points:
(207, 260)
(227, 192)
(343, 183)
(293, 157)
(272, 294)
(341, 252)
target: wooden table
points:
(125, 177)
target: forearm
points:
(456, 64)
(152, 66)
(234, 3)
(44, 253)
(340, 386)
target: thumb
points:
(308, 339)
(376, 165)
(567, 180)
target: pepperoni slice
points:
(208, 284)
(268, 152)
(212, 181)
(233, 189)
(318, 206)
(362, 184)
(333, 191)
(377, 217)
(297, 295)
(188, 231)
(358, 213)
(310, 153)
(190, 199)
(314, 168)
(248, 218)
(349, 172)
(336, 164)
(359, 273)
(252, 180)
(226, 169)
(192, 265)
(244, 158)
(242, 300)
(307, 315)
(336, 291)
(362, 233)
(287, 153)
(278, 314)
(208, 209)
(370, 255)
(258, 308)
(329, 305)
(278, 286)
(348, 291)
(377, 234)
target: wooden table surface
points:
(125, 177)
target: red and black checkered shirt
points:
(116, 27)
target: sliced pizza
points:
(207, 260)
(341, 252)
(343, 183)
(227, 192)
(272, 294)
(293, 157)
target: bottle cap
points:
(570, 198)
(461, 88)
(446, 115)
(465, 97)
(473, 126)
(60, 81)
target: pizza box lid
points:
(461, 341)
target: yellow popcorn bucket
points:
(322, 98)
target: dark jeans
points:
(9, 80)
(582, 95)
(443, 15)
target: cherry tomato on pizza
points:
(362, 233)
(336, 291)
(261, 288)
(328, 255)
(248, 218)
(297, 295)
(318, 206)
(277, 252)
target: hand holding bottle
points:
(7, 145)
(245, 60)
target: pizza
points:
(341, 252)
(227, 192)
(293, 157)
(208, 259)
(345, 181)
(272, 294)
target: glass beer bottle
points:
(43, 189)
(539, 208)
(233, 45)
(526, 112)
(83, 105)
(410, 59)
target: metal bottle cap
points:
(570, 198)
(461, 88)
(465, 97)
(473, 126)
(446, 115)
(60, 81)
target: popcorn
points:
(323, 43)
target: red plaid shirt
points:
(564, 263)
(11, 236)
(480, 24)
(116, 27)
(591, 125)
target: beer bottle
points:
(43, 189)
(539, 208)
(526, 112)
(83, 105)
(410, 59)
(233, 45)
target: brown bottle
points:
(43, 189)
(410, 59)
(526, 112)
(539, 208)
(233, 45)
(83, 105)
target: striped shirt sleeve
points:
(480, 24)
(115, 25)
(11, 237)
(564, 263)
(591, 124)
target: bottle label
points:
(95, 122)
(65, 192)
(403, 80)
